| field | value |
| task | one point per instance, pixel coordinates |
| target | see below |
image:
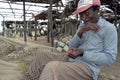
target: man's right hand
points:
(82, 30)
(93, 26)
(89, 26)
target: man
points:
(94, 44)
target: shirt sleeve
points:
(76, 40)
(108, 55)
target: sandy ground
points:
(9, 71)
(10, 68)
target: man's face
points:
(88, 16)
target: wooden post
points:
(51, 25)
(48, 30)
(3, 25)
(35, 29)
(115, 7)
(25, 28)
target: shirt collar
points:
(101, 22)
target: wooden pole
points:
(48, 30)
(25, 28)
(35, 29)
(51, 24)
(115, 7)
(3, 25)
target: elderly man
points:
(94, 44)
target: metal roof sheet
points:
(36, 1)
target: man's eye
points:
(86, 13)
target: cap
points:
(85, 4)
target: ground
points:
(15, 54)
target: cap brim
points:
(81, 9)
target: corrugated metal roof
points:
(44, 15)
(36, 1)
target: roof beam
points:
(26, 4)
(18, 9)
(11, 8)
(4, 12)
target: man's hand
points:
(93, 26)
(89, 26)
(75, 52)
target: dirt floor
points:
(15, 54)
